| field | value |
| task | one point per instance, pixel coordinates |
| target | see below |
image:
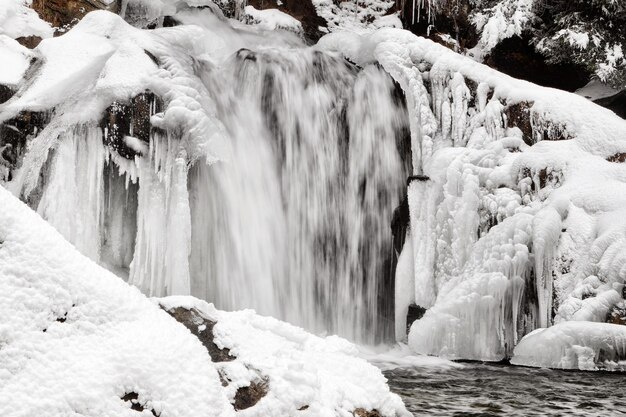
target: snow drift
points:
(75, 339)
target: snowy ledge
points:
(75, 339)
(581, 345)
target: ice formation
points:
(76, 339)
(515, 206)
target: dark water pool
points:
(499, 390)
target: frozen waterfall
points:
(280, 200)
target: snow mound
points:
(15, 59)
(18, 20)
(75, 339)
(574, 345)
(271, 19)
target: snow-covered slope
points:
(517, 218)
(77, 340)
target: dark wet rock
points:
(132, 398)
(415, 313)
(451, 19)
(249, 396)
(615, 103)
(14, 135)
(31, 42)
(202, 328)
(129, 119)
(516, 57)
(361, 412)
(6, 93)
(400, 224)
(519, 115)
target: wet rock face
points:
(202, 328)
(63, 14)
(452, 19)
(303, 10)
(519, 115)
(415, 313)
(5, 93)
(129, 119)
(14, 135)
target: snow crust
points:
(574, 345)
(74, 338)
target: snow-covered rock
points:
(271, 19)
(75, 339)
(574, 345)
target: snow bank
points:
(75, 339)
(271, 19)
(15, 60)
(574, 345)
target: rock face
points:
(14, 134)
(63, 14)
(122, 120)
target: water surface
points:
(496, 390)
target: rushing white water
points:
(306, 196)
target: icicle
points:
(73, 196)
(160, 266)
(546, 233)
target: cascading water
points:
(306, 195)
(292, 219)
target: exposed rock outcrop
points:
(202, 328)
(63, 14)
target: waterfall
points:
(302, 206)
(292, 219)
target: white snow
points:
(574, 345)
(17, 20)
(357, 16)
(15, 60)
(271, 19)
(74, 339)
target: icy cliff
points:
(517, 205)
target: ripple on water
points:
(496, 390)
